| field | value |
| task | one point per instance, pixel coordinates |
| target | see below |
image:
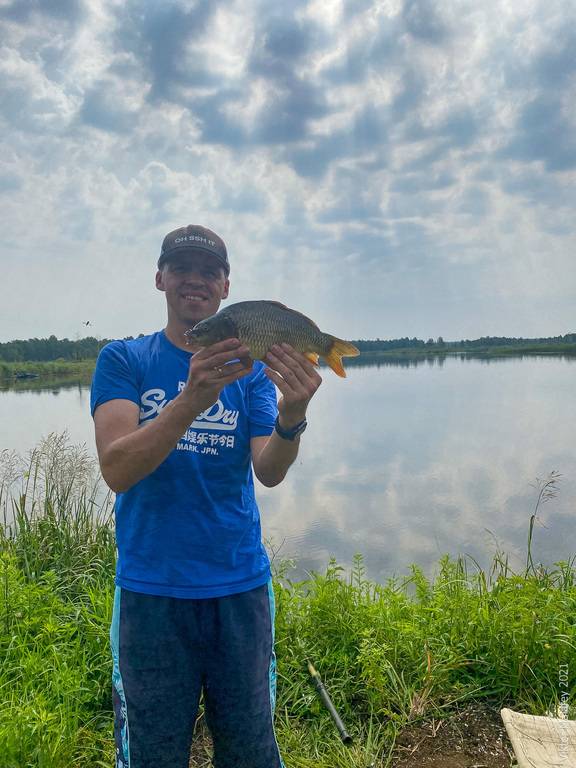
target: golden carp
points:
(261, 324)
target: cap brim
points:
(182, 250)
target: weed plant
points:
(388, 654)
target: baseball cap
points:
(194, 238)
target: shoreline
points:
(30, 370)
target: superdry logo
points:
(216, 417)
(151, 402)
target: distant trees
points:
(511, 341)
(382, 345)
(40, 350)
(379, 345)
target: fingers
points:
(221, 373)
(297, 380)
(292, 365)
(226, 373)
(211, 369)
(222, 352)
(213, 366)
(292, 372)
(219, 356)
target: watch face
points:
(300, 429)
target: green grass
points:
(53, 368)
(388, 654)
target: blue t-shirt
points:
(191, 528)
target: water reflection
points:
(367, 360)
(402, 462)
(431, 461)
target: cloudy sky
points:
(391, 167)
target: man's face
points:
(194, 284)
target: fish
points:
(261, 324)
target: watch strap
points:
(290, 434)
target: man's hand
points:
(296, 378)
(211, 369)
(129, 452)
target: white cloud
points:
(407, 160)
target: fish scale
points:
(261, 324)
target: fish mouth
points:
(197, 338)
(193, 332)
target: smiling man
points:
(179, 434)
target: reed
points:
(56, 514)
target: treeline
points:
(383, 345)
(43, 350)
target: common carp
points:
(261, 324)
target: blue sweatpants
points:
(166, 650)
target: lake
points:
(401, 463)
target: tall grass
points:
(56, 515)
(57, 554)
(9, 370)
(389, 654)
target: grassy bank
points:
(389, 654)
(9, 372)
(71, 370)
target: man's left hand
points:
(296, 378)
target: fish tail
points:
(338, 350)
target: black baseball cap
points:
(194, 238)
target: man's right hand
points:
(211, 369)
(128, 452)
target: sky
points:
(392, 168)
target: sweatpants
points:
(166, 651)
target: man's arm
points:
(279, 455)
(127, 452)
(297, 380)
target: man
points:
(178, 432)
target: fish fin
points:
(312, 356)
(294, 311)
(338, 350)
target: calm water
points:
(399, 463)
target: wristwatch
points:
(290, 434)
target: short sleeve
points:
(263, 406)
(113, 377)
